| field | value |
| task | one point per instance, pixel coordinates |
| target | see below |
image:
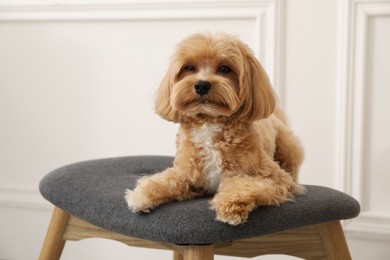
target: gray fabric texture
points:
(94, 191)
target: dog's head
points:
(214, 75)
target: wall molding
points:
(25, 198)
(351, 119)
(369, 226)
(130, 10)
(266, 14)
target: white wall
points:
(77, 80)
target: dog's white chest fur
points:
(203, 137)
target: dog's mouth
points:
(215, 105)
(203, 102)
(203, 105)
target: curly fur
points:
(233, 141)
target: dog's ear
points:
(256, 92)
(163, 96)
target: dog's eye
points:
(224, 70)
(190, 68)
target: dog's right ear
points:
(163, 96)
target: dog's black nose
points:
(202, 87)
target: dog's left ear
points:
(256, 92)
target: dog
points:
(233, 141)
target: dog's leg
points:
(234, 200)
(289, 152)
(159, 188)
(239, 195)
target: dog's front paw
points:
(232, 212)
(138, 201)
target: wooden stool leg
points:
(53, 244)
(334, 241)
(193, 252)
(177, 256)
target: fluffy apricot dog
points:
(233, 139)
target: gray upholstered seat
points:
(94, 190)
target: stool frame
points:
(313, 242)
